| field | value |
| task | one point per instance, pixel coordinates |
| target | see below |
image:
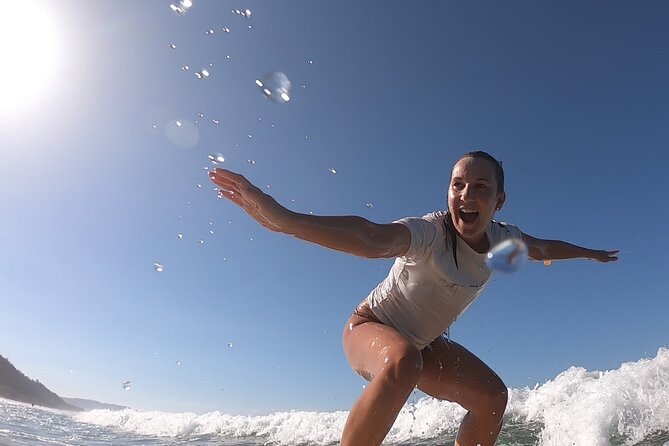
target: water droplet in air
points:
(202, 74)
(154, 126)
(185, 67)
(215, 121)
(251, 161)
(226, 30)
(275, 86)
(369, 205)
(173, 46)
(201, 115)
(126, 385)
(182, 7)
(199, 186)
(201, 242)
(180, 236)
(507, 256)
(332, 171)
(310, 62)
(230, 344)
(158, 267)
(250, 135)
(216, 158)
(177, 123)
(209, 32)
(178, 362)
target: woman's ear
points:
(501, 198)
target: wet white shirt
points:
(425, 291)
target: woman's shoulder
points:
(435, 216)
(501, 230)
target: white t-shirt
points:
(425, 291)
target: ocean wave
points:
(624, 406)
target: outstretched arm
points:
(350, 234)
(556, 249)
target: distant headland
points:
(14, 385)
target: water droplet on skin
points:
(173, 46)
(275, 86)
(180, 236)
(507, 256)
(158, 267)
(350, 327)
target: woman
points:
(393, 339)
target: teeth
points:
(467, 211)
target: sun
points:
(29, 47)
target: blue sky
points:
(572, 97)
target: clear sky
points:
(573, 97)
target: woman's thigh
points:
(371, 346)
(453, 373)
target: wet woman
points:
(394, 338)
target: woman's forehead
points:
(473, 168)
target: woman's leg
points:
(393, 366)
(451, 372)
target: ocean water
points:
(626, 406)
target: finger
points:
(224, 184)
(230, 176)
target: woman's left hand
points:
(605, 256)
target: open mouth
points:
(468, 216)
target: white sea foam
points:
(578, 407)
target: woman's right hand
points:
(262, 207)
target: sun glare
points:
(28, 54)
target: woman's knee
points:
(493, 398)
(402, 365)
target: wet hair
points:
(499, 177)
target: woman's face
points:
(473, 199)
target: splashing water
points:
(507, 256)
